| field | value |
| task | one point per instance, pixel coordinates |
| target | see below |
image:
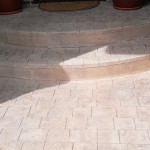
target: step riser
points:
(72, 39)
(66, 74)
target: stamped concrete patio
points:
(105, 114)
(41, 111)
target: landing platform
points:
(100, 25)
(80, 63)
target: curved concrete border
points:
(74, 39)
(72, 73)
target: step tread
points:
(103, 17)
(80, 57)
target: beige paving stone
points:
(33, 135)
(68, 85)
(30, 122)
(86, 102)
(33, 146)
(85, 146)
(91, 61)
(103, 112)
(100, 123)
(144, 101)
(102, 94)
(124, 123)
(58, 146)
(76, 123)
(82, 112)
(10, 122)
(140, 76)
(110, 102)
(134, 137)
(43, 93)
(58, 135)
(53, 123)
(104, 83)
(108, 136)
(127, 112)
(82, 93)
(39, 112)
(68, 101)
(121, 93)
(144, 83)
(83, 136)
(138, 147)
(112, 147)
(142, 92)
(17, 111)
(26, 100)
(60, 112)
(86, 85)
(7, 103)
(9, 135)
(129, 101)
(60, 92)
(3, 110)
(11, 145)
(144, 113)
(142, 124)
(124, 82)
(73, 61)
(46, 102)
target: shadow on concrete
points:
(11, 89)
(140, 46)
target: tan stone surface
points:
(100, 123)
(108, 136)
(127, 112)
(76, 123)
(104, 112)
(134, 137)
(53, 123)
(93, 118)
(87, 146)
(17, 111)
(11, 145)
(33, 135)
(112, 147)
(124, 123)
(10, 122)
(83, 136)
(58, 135)
(33, 146)
(9, 135)
(58, 146)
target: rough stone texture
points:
(102, 24)
(90, 124)
(102, 114)
(76, 63)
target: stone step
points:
(80, 63)
(101, 25)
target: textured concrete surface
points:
(101, 25)
(105, 114)
(102, 17)
(78, 63)
(102, 114)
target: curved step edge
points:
(74, 39)
(59, 74)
